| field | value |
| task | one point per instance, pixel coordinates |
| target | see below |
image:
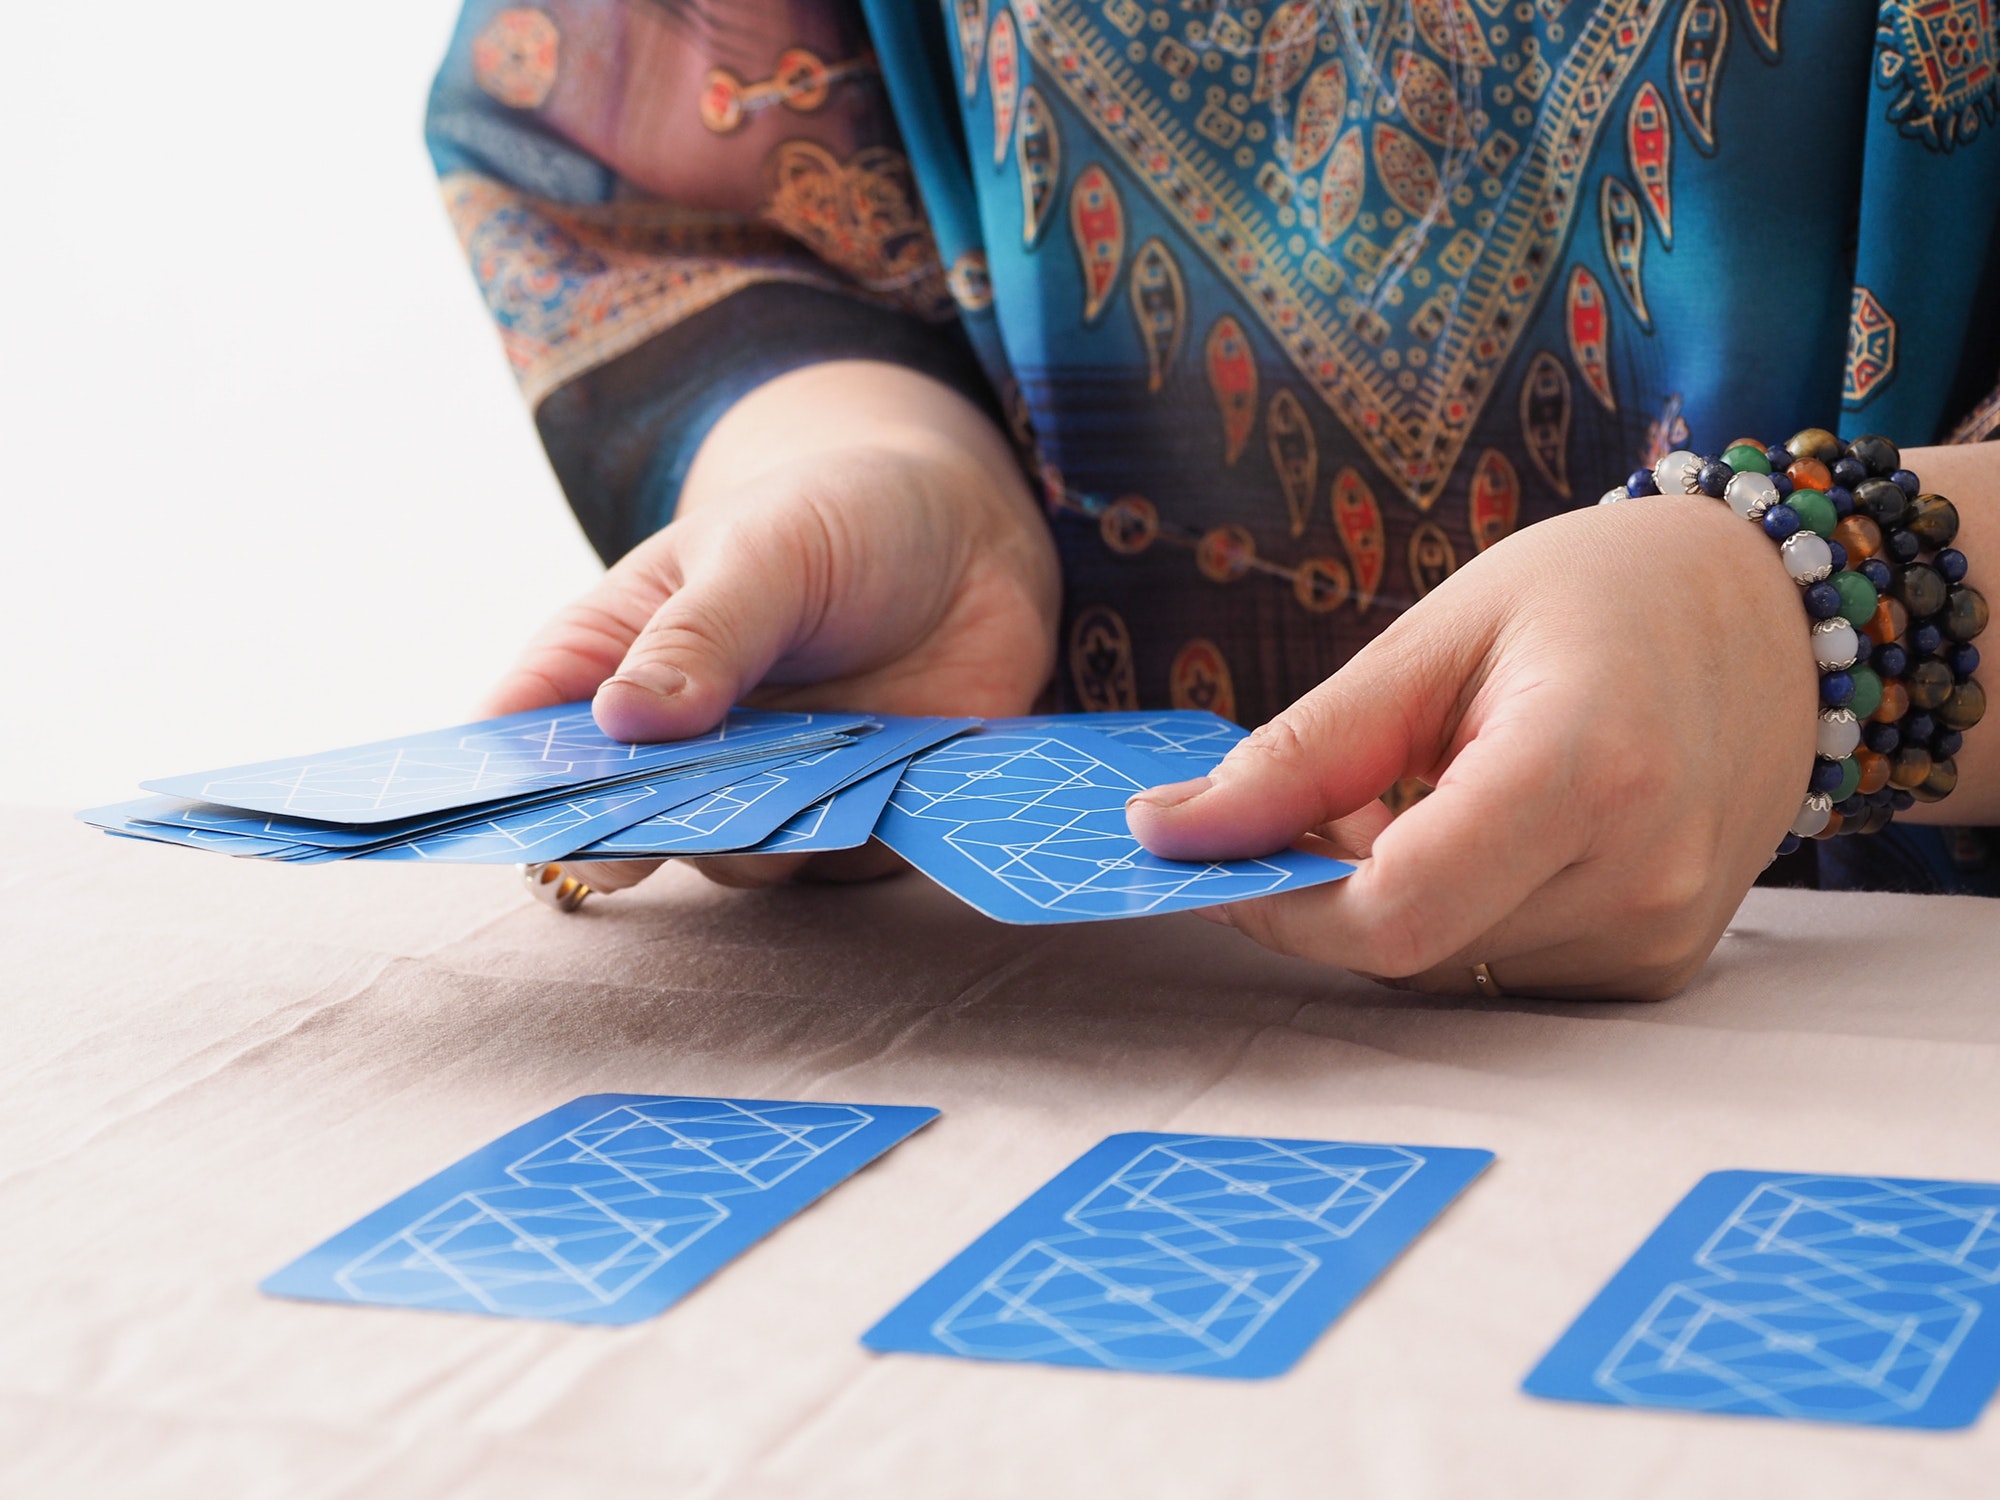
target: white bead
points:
(1750, 495)
(1612, 497)
(1807, 557)
(1676, 473)
(1814, 814)
(1839, 733)
(1835, 645)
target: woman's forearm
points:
(1969, 475)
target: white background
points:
(265, 482)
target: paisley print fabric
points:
(1293, 307)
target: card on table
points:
(1028, 825)
(1836, 1299)
(470, 764)
(1183, 1254)
(607, 1210)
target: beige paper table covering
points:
(209, 1065)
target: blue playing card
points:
(1028, 825)
(472, 764)
(1187, 741)
(846, 820)
(607, 1210)
(1183, 1254)
(747, 811)
(1775, 1294)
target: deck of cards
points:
(1022, 818)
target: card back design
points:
(1837, 1299)
(1028, 825)
(539, 750)
(606, 1210)
(1183, 1254)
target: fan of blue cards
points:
(1022, 818)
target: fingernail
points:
(654, 677)
(1160, 798)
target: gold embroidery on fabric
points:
(1100, 660)
(1414, 436)
(574, 286)
(1871, 348)
(1200, 679)
(862, 216)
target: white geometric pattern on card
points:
(516, 833)
(1840, 1297)
(1048, 820)
(703, 818)
(1201, 739)
(586, 1217)
(1181, 1256)
(802, 826)
(541, 753)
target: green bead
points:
(1867, 693)
(1850, 773)
(1745, 459)
(1815, 511)
(1857, 597)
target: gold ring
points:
(552, 884)
(1482, 976)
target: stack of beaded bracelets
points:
(1892, 621)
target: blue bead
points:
(1835, 688)
(1783, 482)
(1903, 545)
(1883, 797)
(1841, 498)
(1779, 457)
(1641, 482)
(1714, 478)
(1877, 572)
(1947, 744)
(1789, 844)
(1951, 563)
(1839, 556)
(1902, 801)
(1822, 600)
(1907, 482)
(1918, 727)
(1890, 660)
(1849, 471)
(1826, 775)
(1780, 521)
(1863, 649)
(1926, 639)
(1853, 807)
(1883, 739)
(1964, 660)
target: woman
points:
(917, 358)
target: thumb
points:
(1338, 748)
(743, 604)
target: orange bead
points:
(1861, 537)
(1811, 474)
(1833, 823)
(1874, 770)
(1888, 622)
(1895, 702)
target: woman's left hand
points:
(1617, 710)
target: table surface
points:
(210, 1065)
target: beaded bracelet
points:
(1892, 619)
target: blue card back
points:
(1183, 1254)
(470, 764)
(607, 1210)
(1028, 825)
(1775, 1294)
(846, 820)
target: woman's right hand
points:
(851, 536)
